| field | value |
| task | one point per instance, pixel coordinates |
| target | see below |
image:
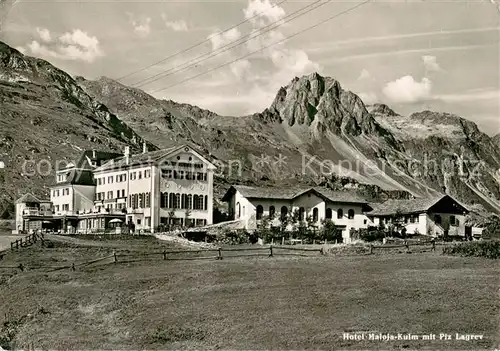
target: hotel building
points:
(142, 191)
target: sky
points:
(412, 55)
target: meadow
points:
(280, 302)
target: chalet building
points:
(251, 204)
(436, 216)
(170, 186)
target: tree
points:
(186, 217)
(397, 222)
(171, 216)
(330, 232)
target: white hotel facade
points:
(142, 191)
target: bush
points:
(236, 237)
(487, 249)
(369, 234)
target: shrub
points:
(487, 249)
(236, 237)
(330, 232)
(369, 234)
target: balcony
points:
(37, 212)
(66, 213)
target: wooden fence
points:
(27, 241)
(405, 245)
(179, 255)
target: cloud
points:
(250, 84)
(294, 62)
(368, 98)
(471, 96)
(21, 49)
(430, 63)
(176, 26)
(44, 34)
(407, 90)
(240, 68)
(365, 75)
(141, 27)
(220, 39)
(263, 12)
(75, 45)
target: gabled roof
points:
(145, 158)
(418, 205)
(29, 198)
(290, 193)
(91, 156)
(77, 177)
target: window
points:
(350, 214)
(238, 210)
(272, 211)
(183, 201)
(412, 219)
(139, 175)
(340, 213)
(189, 204)
(164, 200)
(118, 178)
(141, 200)
(132, 176)
(118, 193)
(302, 212)
(437, 219)
(177, 201)
(110, 194)
(138, 221)
(453, 220)
(315, 214)
(205, 206)
(201, 176)
(171, 200)
(147, 173)
(198, 202)
(147, 221)
(166, 173)
(284, 212)
(189, 176)
(328, 214)
(260, 212)
(123, 192)
(110, 179)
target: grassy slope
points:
(251, 303)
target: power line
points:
(198, 44)
(265, 47)
(229, 46)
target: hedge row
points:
(487, 249)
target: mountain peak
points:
(382, 109)
(321, 103)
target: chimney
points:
(144, 147)
(127, 154)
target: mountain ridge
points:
(311, 118)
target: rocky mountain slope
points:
(319, 128)
(496, 139)
(46, 119)
(314, 132)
